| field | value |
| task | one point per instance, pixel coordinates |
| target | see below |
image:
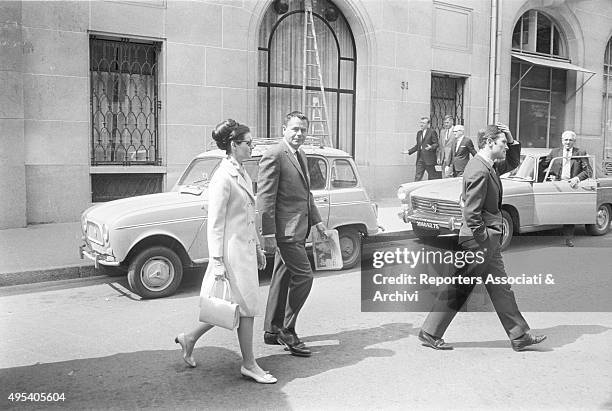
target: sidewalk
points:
(48, 252)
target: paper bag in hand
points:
(326, 252)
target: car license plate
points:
(427, 224)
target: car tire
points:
(508, 229)
(350, 246)
(155, 272)
(424, 234)
(602, 221)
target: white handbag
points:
(216, 307)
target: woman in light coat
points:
(233, 244)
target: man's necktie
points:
(566, 170)
(302, 165)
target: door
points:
(317, 168)
(558, 203)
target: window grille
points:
(446, 99)
(124, 102)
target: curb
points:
(48, 274)
(88, 270)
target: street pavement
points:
(48, 252)
(101, 346)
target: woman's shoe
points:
(266, 379)
(180, 339)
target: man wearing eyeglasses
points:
(287, 211)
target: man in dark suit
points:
(461, 148)
(445, 144)
(425, 147)
(287, 211)
(570, 168)
(481, 232)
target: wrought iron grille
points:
(446, 99)
(124, 102)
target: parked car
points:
(153, 237)
(532, 201)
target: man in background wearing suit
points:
(460, 152)
(287, 211)
(425, 147)
(444, 149)
(572, 170)
(481, 232)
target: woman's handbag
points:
(217, 309)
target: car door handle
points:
(321, 200)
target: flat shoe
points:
(180, 339)
(266, 379)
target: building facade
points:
(106, 99)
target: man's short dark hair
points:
(491, 132)
(449, 117)
(296, 114)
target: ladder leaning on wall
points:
(313, 100)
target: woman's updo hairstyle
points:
(228, 131)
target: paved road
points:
(105, 349)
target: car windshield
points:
(525, 169)
(199, 171)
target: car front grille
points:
(443, 208)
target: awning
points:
(563, 65)
(541, 61)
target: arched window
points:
(281, 68)
(538, 88)
(607, 107)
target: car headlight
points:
(402, 194)
(105, 233)
(84, 223)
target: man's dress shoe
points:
(569, 243)
(292, 342)
(519, 344)
(271, 338)
(430, 341)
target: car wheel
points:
(350, 246)
(424, 234)
(508, 229)
(155, 272)
(602, 221)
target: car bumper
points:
(85, 250)
(443, 224)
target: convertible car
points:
(533, 200)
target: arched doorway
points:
(280, 69)
(538, 91)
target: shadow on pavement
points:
(160, 379)
(558, 336)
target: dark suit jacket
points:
(460, 157)
(428, 156)
(444, 148)
(284, 200)
(482, 197)
(580, 167)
